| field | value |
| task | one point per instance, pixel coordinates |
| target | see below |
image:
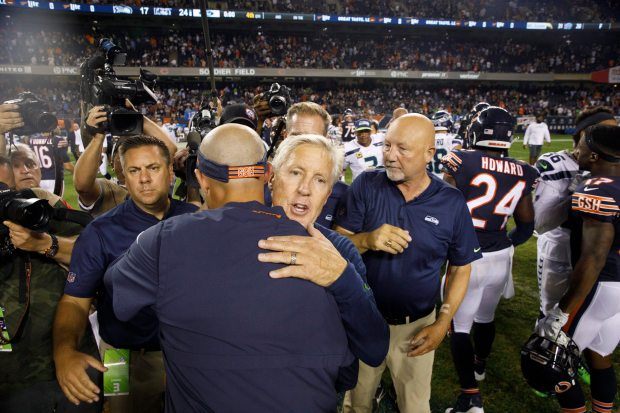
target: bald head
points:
(417, 127)
(409, 147)
(398, 112)
(232, 144)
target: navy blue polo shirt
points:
(441, 229)
(234, 339)
(101, 242)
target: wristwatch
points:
(53, 249)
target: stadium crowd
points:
(177, 101)
(323, 51)
(505, 10)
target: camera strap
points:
(25, 272)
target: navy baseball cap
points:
(239, 113)
(362, 124)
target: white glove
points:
(551, 325)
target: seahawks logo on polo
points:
(431, 219)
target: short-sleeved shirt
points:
(111, 195)
(440, 226)
(444, 142)
(348, 131)
(362, 158)
(225, 325)
(104, 240)
(552, 201)
(492, 186)
(43, 147)
(599, 199)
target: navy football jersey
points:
(599, 198)
(43, 147)
(492, 186)
(348, 131)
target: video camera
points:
(279, 99)
(35, 114)
(23, 209)
(100, 86)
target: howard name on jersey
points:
(599, 199)
(492, 186)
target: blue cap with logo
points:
(362, 124)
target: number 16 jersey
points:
(492, 186)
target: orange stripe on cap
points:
(246, 171)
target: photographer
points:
(274, 102)
(98, 195)
(9, 119)
(31, 283)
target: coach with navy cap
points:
(234, 338)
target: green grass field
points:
(504, 390)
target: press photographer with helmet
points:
(37, 235)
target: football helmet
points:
(442, 120)
(492, 128)
(550, 367)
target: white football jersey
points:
(362, 158)
(444, 143)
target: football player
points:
(364, 152)
(466, 120)
(348, 126)
(445, 140)
(559, 175)
(495, 188)
(589, 311)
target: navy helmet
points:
(548, 366)
(492, 128)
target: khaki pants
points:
(146, 383)
(411, 375)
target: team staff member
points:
(98, 195)
(305, 118)
(297, 164)
(282, 341)
(386, 211)
(589, 311)
(148, 174)
(535, 134)
(363, 153)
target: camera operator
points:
(273, 102)
(98, 195)
(31, 283)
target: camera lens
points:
(125, 122)
(277, 105)
(30, 213)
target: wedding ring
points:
(293, 258)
